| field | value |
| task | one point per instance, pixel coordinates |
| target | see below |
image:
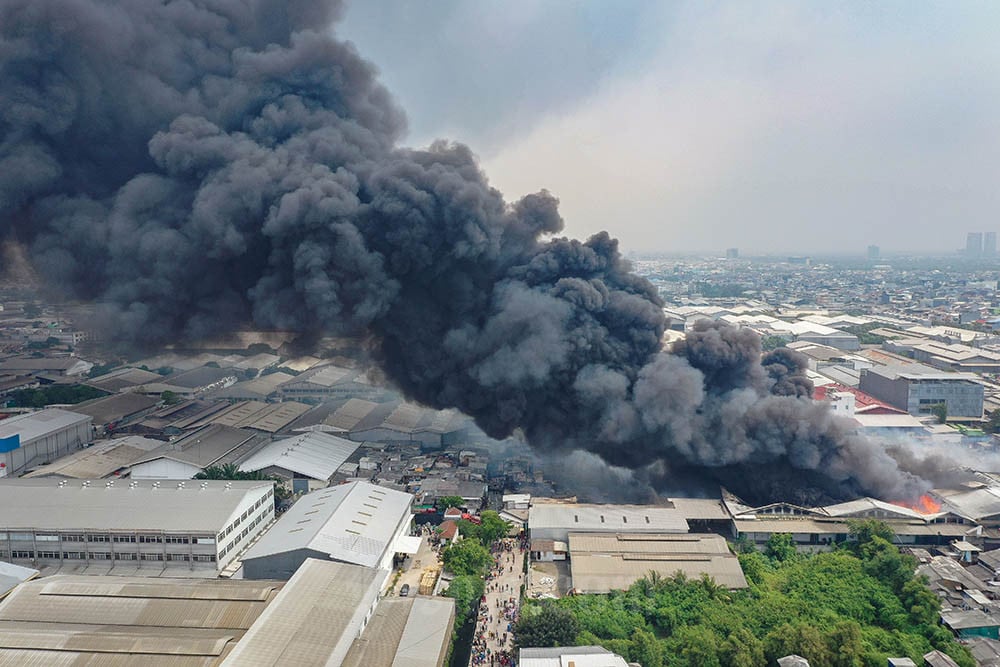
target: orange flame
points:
(925, 505)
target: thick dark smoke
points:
(199, 165)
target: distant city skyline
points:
(683, 127)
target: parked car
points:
(404, 591)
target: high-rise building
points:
(873, 252)
(990, 244)
(732, 253)
(974, 244)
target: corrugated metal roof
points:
(214, 444)
(353, 523)
(116, 407)
(427, 633)
(316, 455)
(128, 620)
(269, 417)
(579, 517)
(591, 656)
(51, 504)
(376, 647)
(35, 425)
(350, 414)
(606, 561)
(312, 619)
(100, 460)
(11, 575)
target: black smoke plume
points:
(201, 165)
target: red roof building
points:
(864, 404)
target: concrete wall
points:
(279, 566)
(893, 392)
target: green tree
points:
(798, 639)
(56, 394)
(444, 502)
(545, 626)
(781, 547)
(768, 343)
(466, 590)
(467, 556)
(920, 602)
(646, 649)
(845, 645)
(231, 471)
(863, 531)
(170, 398)
(699, 646)
(741, 649)
(884, 562)
(940, 410)
(489, 529)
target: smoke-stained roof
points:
(214, 444)
(110, 620)
(116, 407)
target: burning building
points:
(200, 167)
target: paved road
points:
(493, 644)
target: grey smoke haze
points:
(198, 166)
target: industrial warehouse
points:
(130, 524)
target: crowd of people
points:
(493, 645)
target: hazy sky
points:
(685, 126)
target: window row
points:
(99, 538)
(104, 555)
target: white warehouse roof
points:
(169, 505)
(581, 518)
(354, 523)
(315, 454)
(40, 424)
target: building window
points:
(73, 555)
(205, 558)
(100, 555)
(150, 539)
(175, 539)
(124, 556)
(16, 553)
(182, 557)
(50, 555)
(46, 538)
(204, 540)
(98, 538)
(151, 556)
(124, 538)
(21, 537)
(72, 537)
